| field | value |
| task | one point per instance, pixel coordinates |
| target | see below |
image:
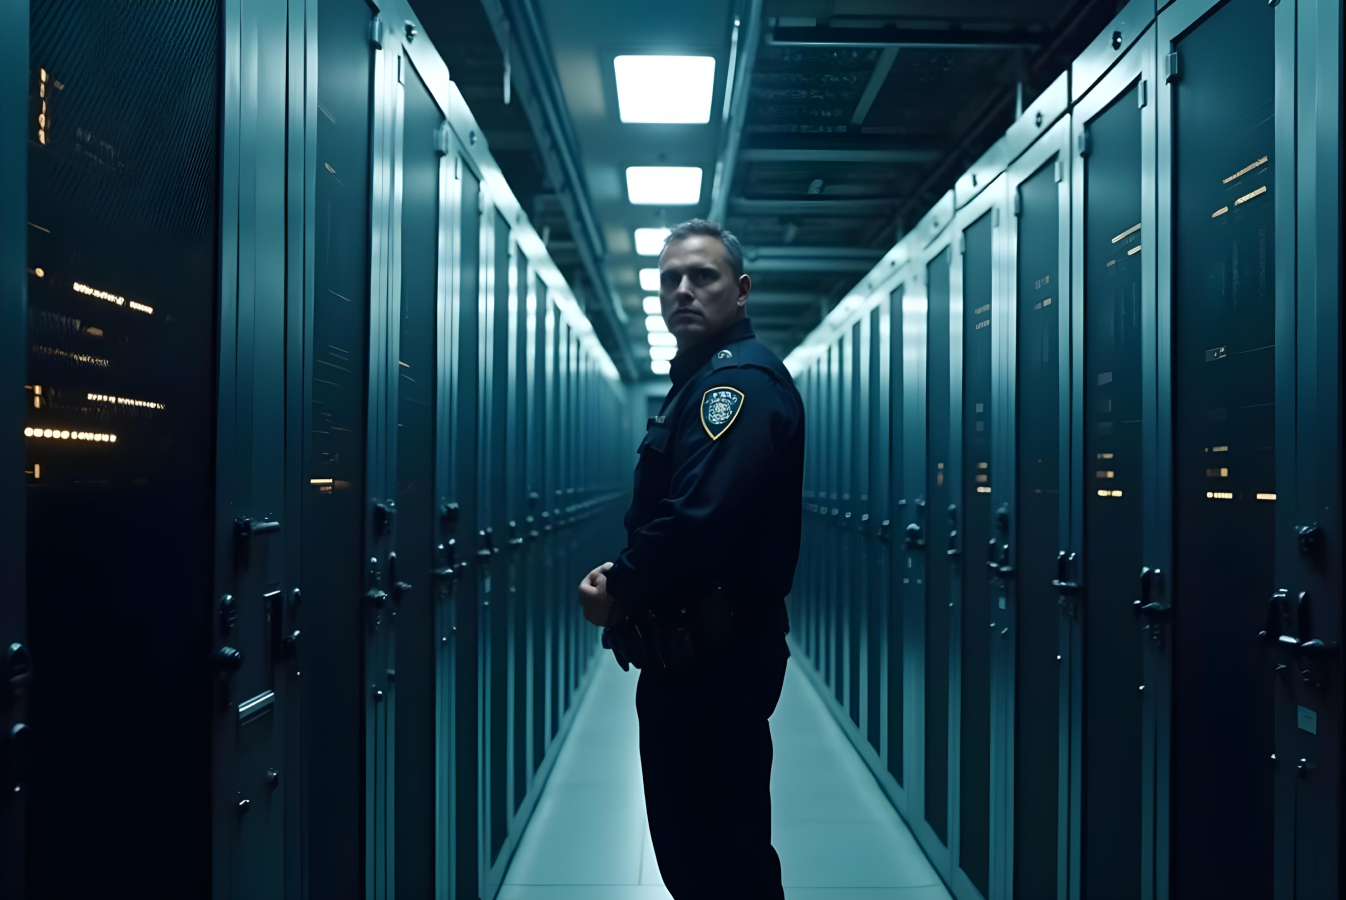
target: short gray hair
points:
(732, 248)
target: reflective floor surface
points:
(836, 833)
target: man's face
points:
(698, 292)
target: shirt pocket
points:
(652, 471)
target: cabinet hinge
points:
(995, 217)
(442, 144)
(1142, 95)
(1060, 171)
(1018, 203)
(1171, 67)
(401, 69)
(376, 32)
(1082, 143)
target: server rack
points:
(1149, 696)
(359, 652)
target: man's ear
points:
(744, 287)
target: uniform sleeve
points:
(712, 490)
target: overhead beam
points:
(954, 37)
(882, 66)
(795, 251)
(783, 298)
(861, 207)
(544, 105)
(836, 155)
(732, 126)
(810, 264)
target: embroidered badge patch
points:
(719, 409)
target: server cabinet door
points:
(1112, 450)
(842, 620)
(419, 481)
(873, 605)
(493, 464)
(1309, 740)
(15, 737)
(461, 513)
(1041, 593)
(943, 538)
(536, 583)
(123, 144)
(520, 598)
(974, 617)
(1227, 214)
(254, 786)
(892, 568)
(337, 616)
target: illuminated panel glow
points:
(660, 366)
(650, 241)
(663, 352)
(655, 323)
(1266, 496)
(125, 401)
(660, 185)
(982, 489)
(651, 306)
(1219, 495)
(1245, 170)
(111, 298)
(1250, 195)
(661, 339)
(649, 279)
(664, 89)
(61, 434)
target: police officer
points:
(697, 598)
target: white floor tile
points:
(838, 836)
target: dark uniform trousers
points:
(705, 753)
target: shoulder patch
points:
(719, 408)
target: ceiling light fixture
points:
(651, 305)
(661, 339)
(650, 241)
(655, 323)
(663, 185)
(660, 366)
(663, 352)
(649, 279)
(665, 89)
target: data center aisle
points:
(837, 835)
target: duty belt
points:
(674, 636)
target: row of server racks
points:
(1072, 571)
(305, 443)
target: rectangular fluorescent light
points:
(665, 89)
(661, 339)
(650, 241)
(651, 305)
(660, 366)
(664, 185)
(663, 352)
(649, 279)
(655, 323)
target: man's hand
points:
(594, 596)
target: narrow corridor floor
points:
(837, 835)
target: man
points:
(697, 598)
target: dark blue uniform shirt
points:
(719, 480)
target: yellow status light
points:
(1266, 496)
(64, 435)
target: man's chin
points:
(688, 330)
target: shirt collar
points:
(688, 361)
